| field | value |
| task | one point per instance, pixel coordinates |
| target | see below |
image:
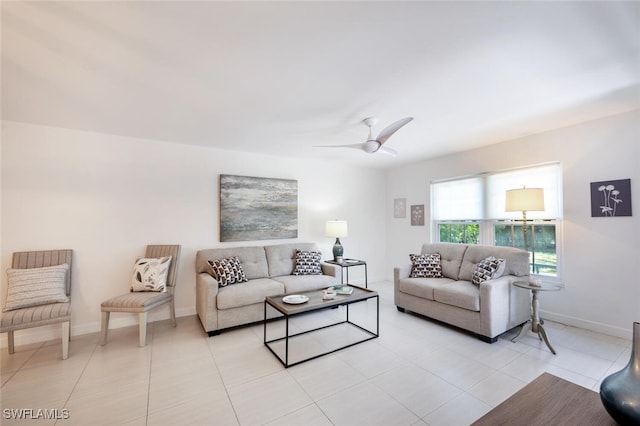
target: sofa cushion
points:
(300, 283)
(227, 271)
(462, 294)
(248, 293)
(307, 262)
(451, 256)
(516, 260)
(150, 274)
(253, 260)
(425, 265)
(487, 269)
(281, 257)
(422, 287)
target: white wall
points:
(108, 196)
(601, 255)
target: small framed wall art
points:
(417, 215)
(400, 208)
(611, 198)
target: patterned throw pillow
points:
(150, 274)
(425, 265)
(36, 286)
(307, 263)
(487, 269)
(227, 271)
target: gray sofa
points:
(269, 271)
(488, 309)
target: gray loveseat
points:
(488, 309)
(269, 271)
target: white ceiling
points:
(280, 77)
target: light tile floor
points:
(417, 373)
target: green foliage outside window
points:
(541, 241)
(541, 244)
(466, 233)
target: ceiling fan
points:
(372, 144)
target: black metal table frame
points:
(285, 362)
(349, 263)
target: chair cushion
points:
(35, 316)
(36, 286)
(150, 274)
(135, 301)
(307, 262)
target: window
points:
(471, 210)
(466, 233)
(542, 245)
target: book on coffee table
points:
(342, 289)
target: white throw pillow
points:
(150, 274)
(36, 286)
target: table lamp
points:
(337, 229)
(524, 200)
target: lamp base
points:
(338, 251)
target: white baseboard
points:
(51, 332)
(117, 320)
(624, 333)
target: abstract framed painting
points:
(611, 198)
(256, 208)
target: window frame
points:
(487, 226)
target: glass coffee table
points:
(325, 326)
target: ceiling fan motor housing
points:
(371, 146)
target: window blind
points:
(457, 199)
(482, 197)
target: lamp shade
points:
(336, 228)
(525, 199)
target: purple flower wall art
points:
(611, 198)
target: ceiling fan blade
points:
(389, 151)
(391, 129)
(354, 145)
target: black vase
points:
(620, 392)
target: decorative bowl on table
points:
(328, 294)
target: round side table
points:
(535, 323)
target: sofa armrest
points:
(492, 290)
(206, 305)
(501, 304)
(331, 269)
(400, 272)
